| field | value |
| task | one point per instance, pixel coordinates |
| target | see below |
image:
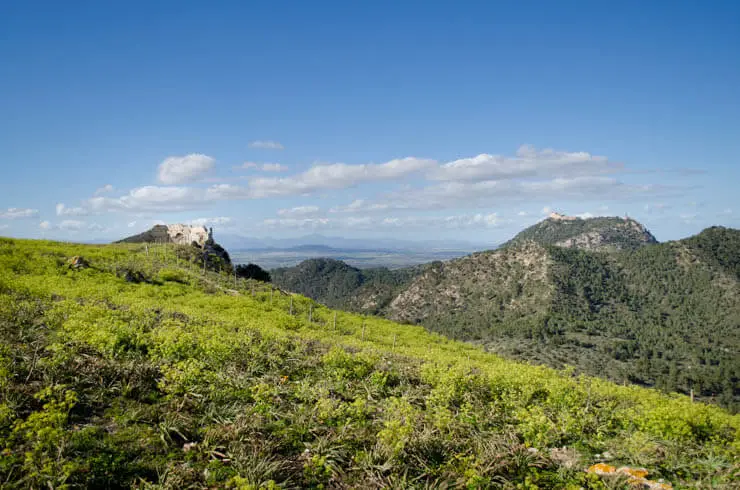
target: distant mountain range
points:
(238, 242)
(599, 294)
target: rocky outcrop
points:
(196, 236)
(178, 234)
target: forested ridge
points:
(664, 315)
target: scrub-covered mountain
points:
(602, 233)
(665, 315)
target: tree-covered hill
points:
(126, 369)
(339, 285)
(664, 315)
(601, 233)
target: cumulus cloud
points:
(188, 168)
(108, 188)
(469, 183)
(337, 176)
(151, 198)
(299, 212)
(449, 195)
(63, 210)
(71, 225)
(529, 162)
(266, 145)
(19, 213)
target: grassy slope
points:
(182, 383)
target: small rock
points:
(78, 262)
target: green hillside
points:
(140, 370)
(663, 315)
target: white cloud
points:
(266, 145)
(299, 212)
(225, 192)
(131, 224)
(63, 210)
(108, 188)
(19, 213)
(360, 206)
(273, 167)
(71, 225)
(296, 223)
(453, 222)
(336, 176)
(522, 213)
(4, 227)
(152, 198)
(218, 221)
(265, 167)
(188, 168)
(452, 195)
(585, 215)
(528, 162)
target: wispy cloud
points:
(71, 225)
(217, 221)
(106, 189)
(265, 167)
(19, 213)
(63, 210)
(451, 222)
(299, 212)
(266, 145)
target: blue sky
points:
(414, 120)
